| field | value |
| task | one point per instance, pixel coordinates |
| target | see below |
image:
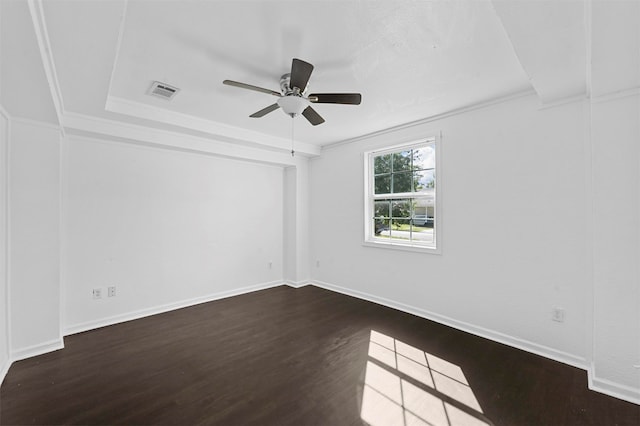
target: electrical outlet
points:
(270, 264)
(97, 293)
(111, 291)
(557, 314)
(317, 263)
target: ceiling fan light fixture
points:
(292, 97)
(293, 105)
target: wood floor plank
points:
(288, 356)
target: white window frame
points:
(369, 197)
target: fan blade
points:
(313, 117)
(265, 111)
(300, 73)
(336, 98)
(251, 87)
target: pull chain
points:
(292, 151)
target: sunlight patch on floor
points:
(406, 386)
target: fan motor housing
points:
(285, 86)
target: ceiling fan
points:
(292, 97)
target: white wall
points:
(167, 228)
(289, 225)
(513, 233)
(4, 306)
(30, 292)
(615, 139)
(296, 223)
(34, 224)
(616, 177)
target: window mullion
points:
(399, 195)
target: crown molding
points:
(42, 36)
(36, 123)
(580, 97)
(28, 121)
(430, 119)
(619, 94)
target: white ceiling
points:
(410, 60)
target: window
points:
(401, 209)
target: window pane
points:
(383, 184)
(400, 229)
(402, 182)
(382, 164)
(422, 220)
(424, 181)
(382, 209)
(401, 208)
(421, 234)
(401, 161)
(381, 227)
(402, 197)
(424, 158)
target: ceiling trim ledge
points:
(606, 97)
(31, 122)
(27, 121)
(175, 140)
(564, 100)
(437, 117)
(42, 35)
(217, 130)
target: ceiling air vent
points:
(163, 90)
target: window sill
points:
(402, 247)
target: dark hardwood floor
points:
(304, 356)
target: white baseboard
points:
(35, 350)
(4, 369)
(297, 284)
(129, 316)
(599, 385)
(496, 336)
(624, 392)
